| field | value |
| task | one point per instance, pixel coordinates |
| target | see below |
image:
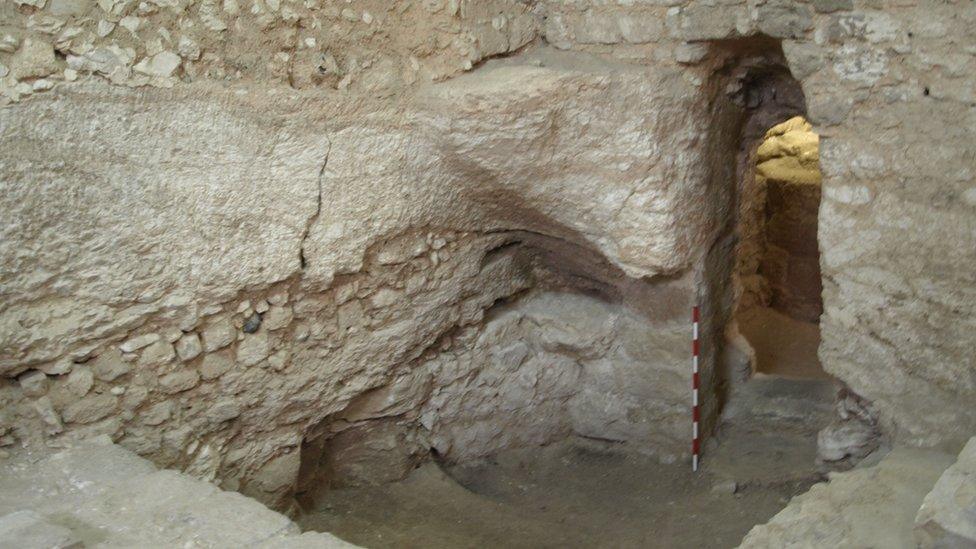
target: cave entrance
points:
(780, 303)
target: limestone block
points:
(784, 19)
(129, 503)
(947, 517)
(29, 530)
(703, 22)
(871, 507)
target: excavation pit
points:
(577, 493)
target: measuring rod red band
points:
(695, 381)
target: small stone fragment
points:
(45, 410)
(725, 487)
(158, 353)
(34, 3)
(139, 342)
(252, 324)
(208, 15)
(163, 64)
(109, 365)
(224, 410)
(179, 381)
(57, 368)
(80, 381)
(218, 335)
(42, 85)
(34, 59)
(135, 395)
(689, 54)
(385, 297)
(279, 360)
(130, 23)
(211, 310)
(9, 43)
(107, 60)
(278, 298)
(34, 383)
(172, 335)
(214, 365)
(253, 349)
(104, 28)
(188, 49)
(189, 347)
(277, 318)
(91, 408)
(157, 413)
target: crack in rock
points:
(318, 210)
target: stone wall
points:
(217, 321)
(373, 46)
(214, 273)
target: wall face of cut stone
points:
(554, 364)
(214, 272)
(893, 100)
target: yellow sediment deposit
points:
(790, 153)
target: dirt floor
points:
(784, 346)
(575, 494)
(584, 493)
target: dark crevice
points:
(302, 259)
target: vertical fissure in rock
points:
(302, 258)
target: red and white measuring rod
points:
(695, 415)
